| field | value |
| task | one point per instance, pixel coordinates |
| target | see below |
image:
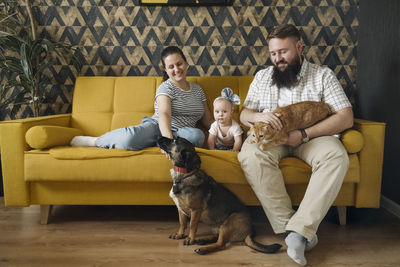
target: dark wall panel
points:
(378, 80)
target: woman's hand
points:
(166, 154)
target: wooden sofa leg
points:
(44, 213)
(341, 210)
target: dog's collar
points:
(184, 170)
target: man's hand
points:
(294, 139)
(271, 118)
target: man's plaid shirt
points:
(315, 83)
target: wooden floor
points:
(138, 236)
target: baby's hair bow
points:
(228, 94)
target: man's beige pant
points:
(329, 161)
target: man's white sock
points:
(83, 141)
(296, 246)
(311, 244)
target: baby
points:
(225, 133)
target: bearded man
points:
(293, 79)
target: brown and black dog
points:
(199, 197)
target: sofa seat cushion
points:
(113, 165)
(82, 153)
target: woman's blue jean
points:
(145, 135)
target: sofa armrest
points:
(13, 145)
(371, 162)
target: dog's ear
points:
(164, 142)
(192, 161)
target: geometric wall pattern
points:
(122, 38)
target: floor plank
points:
(138, 236)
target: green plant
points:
(7, 98)
(25, 59)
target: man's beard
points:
(287, 77)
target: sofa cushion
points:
(353, 141)
(79, 153)
(93, 104)
(133, 100)
(46, 136)
(112, 165)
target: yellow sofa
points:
(48, 174)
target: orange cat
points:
(296, 116)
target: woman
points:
(178, 106)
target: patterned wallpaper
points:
(120, 37)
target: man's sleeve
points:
(334, 94)
(252, 99)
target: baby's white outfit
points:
(228, 140)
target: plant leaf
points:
(25, 61)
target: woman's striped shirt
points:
(186, 106)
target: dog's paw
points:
(189, 241)
(201, 251)
(177, 236)
(205, 241)
(202, 241)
